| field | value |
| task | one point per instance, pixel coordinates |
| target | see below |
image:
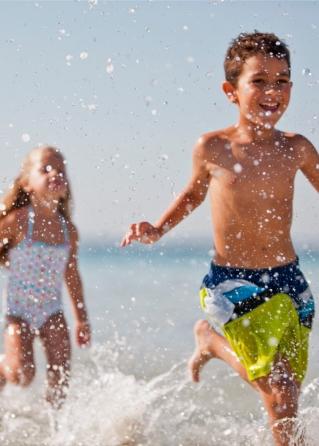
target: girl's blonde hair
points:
(17, 197)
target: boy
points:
(249, 169)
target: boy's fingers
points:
(137, 231)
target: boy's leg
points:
(17, 365)
(210, 344)
(280, 393)
(55, 337)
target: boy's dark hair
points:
(249, 44)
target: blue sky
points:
(126, 88)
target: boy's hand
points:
(83, 334)
(142, 232)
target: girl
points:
(38, 243)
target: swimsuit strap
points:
(30, 224)
(65, 229)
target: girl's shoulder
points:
(14, 222)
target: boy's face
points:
(263, 90)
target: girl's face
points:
(47, 176)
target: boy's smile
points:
(262, 91)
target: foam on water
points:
(107, 407)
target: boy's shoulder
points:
(301, 145)
(218, 140)
(211, 145)
(216, 137)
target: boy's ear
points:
(230, 91)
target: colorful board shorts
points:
(275, 319)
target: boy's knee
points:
(201, 325)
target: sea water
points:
(132, 387)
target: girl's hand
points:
(83, 334)
(142, 232)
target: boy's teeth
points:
(271, 106)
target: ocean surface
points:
(132, 387)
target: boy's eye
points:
(258, 81)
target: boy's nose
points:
(270, 89)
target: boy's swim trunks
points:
(274, 319)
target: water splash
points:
(106, 406)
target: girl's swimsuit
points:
(34, 290)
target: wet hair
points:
(250, 44)
(17, 197)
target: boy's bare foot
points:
(204, 350)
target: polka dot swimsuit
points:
(34, 290)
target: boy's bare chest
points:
(255, 176)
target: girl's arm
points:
(75, 288)
(13, 227)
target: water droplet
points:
(306, 72)
(92, 3)
(238, 168)
(109, 66)
(148, 100)
(273, 342)
(84, 55)
(25, 137)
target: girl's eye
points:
(48, 168)
(258, 81)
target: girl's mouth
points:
(56, 184)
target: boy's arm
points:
(310, 163)
(191, 197)
(75, 288)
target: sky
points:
(125, 89)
